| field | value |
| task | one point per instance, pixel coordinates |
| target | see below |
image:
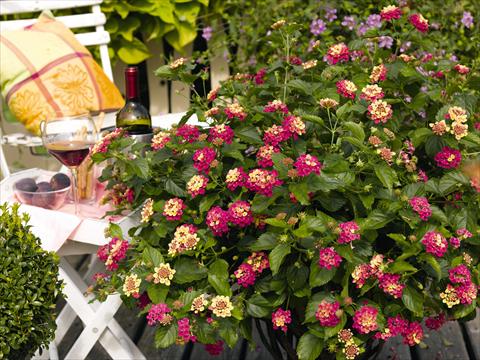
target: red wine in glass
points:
(69, 153)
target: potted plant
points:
(328, 199)
(29, 286)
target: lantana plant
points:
(325, 200)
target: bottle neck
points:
(132, 91)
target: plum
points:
(45, 197)
(59, 181)
(27, 184)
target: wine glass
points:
(69, 139)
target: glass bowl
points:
(52, 200)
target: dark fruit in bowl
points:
(59, 181)
(27, 184)
(44, 196)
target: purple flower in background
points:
(317, 27)
(374, 21)
(207, 33)
(467, 19)
(402, 3)
(385, 42)
(349, 22)
(424, 89)
(405, 46)
(454, 58)
(330, 14)
(362, 29)
(252, 61)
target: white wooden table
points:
(98, 318)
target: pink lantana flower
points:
(338, 53)
(245, 275)
(240, 214)
(420, 23)
(280, 319)
(435, 243)
(421, 206)
(391, 12)
(217, 221)
(307, 164)
(173, 209)
(365, 319)
(329, 258)
(326, 313)
(448, 158)
(348, 232)
(189, 133)
(235, 178)
(203, 158)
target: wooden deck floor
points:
(454, 341)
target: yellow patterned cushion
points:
(45, 72)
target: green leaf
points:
(207, 202)
(115, 230)
(413, 300)
(297, 277)
(133, 52)
(309, 347)
(183, 34)
(377, 220)
(129, 25)
(218, 277)
(300, 85)
(228, 332)
(402, 267)
(249, 134)
(356, 130)
(266, 241)
(157, 293)
(164, 10)
(172, 188)
(276, 222)
(188, 270)
(320, 276)
(166, 336)
(433, 263)
(277, 255)
(367, 200)
(386, 175)
(187, 11)
(151, 256)
(300, 190)
(258, 307)
(462, 311)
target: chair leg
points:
(98, 319)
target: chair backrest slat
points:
(71, 21)
(9, 7)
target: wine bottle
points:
(133, 117)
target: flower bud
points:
(412, 238)
(149, 278)
(347, 301)
(397, 192)
(292, 221)
(281, 216)
(331, 225)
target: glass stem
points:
(74, 171)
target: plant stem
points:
(287, 46)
